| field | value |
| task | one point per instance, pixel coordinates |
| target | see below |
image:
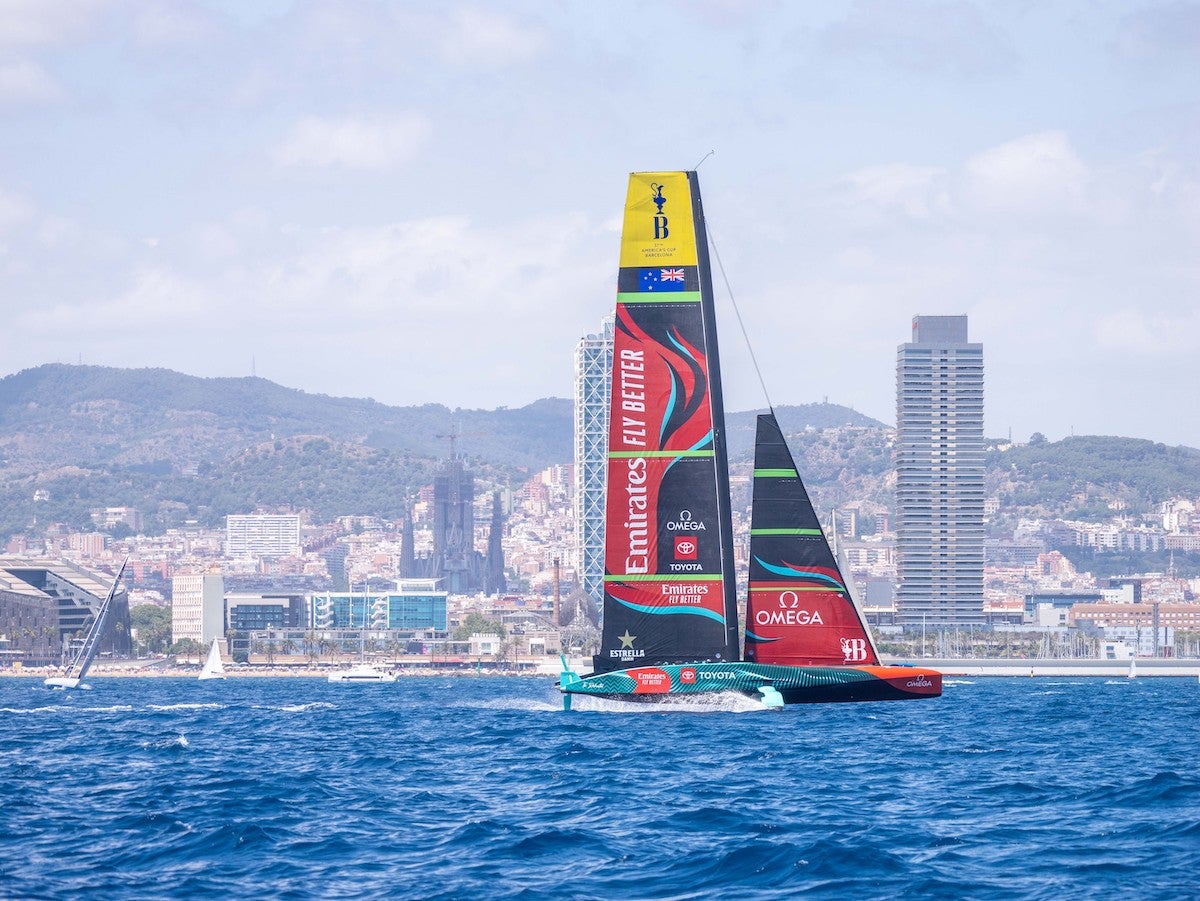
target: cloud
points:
(172, 24)
(36, 22)
(924, 38)
(22, 81)
(482, 37)
(394, 304)
(353, 143)
(1134, 331)
(1036, 173)
(13, 211)
(1160, 34)
(917, 192)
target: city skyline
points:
(422, 206)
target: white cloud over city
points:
(420, 204)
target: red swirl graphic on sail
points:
(672, 387)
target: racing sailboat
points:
(82, 662)
(670, 607)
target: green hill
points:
(181, 448)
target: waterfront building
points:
(416, 604)
(197, 607)
(46, 606)
(255, 612)
(593, 385)
(939, 475)
(258, 535)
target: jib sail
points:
(799, 611)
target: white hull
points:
(362, 674)
(61, 682)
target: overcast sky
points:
(420, 202)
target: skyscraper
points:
(939, 475)
(593, 383)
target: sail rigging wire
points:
(738, 313)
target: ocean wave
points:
(451, 789)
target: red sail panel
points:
(799, 611)
(666, 538)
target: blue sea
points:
(483, 788)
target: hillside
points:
(1090, 477)
(183, 448)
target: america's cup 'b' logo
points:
(660, 221)
(854, 649)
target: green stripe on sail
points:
(665, 577)
(776, 473)
(783, 586)
(785, 531)
(621, 455)
(658, 297)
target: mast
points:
(91, 642)
(720, 449)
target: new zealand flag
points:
(662, 280)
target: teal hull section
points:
(768, 683)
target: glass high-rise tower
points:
(939, 475)
(593, 384)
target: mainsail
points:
(799, 611)
(82, 662)
(669, 593)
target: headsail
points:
(214, 668)
(799, 611)
(669, 592)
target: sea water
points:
(484, 788)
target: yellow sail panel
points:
(658, 227)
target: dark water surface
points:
(481, 788)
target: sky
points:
(421, 202)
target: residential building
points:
(939, 475)
(197, 607)
(258, 535)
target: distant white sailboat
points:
(1132, 667)
(82, 662)
(213, 667)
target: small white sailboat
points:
(213, 667)
(79, 666)
(1132, 667)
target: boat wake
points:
(716, 702)
(305, 708)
